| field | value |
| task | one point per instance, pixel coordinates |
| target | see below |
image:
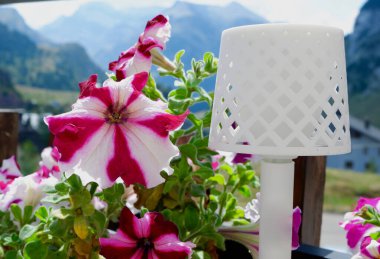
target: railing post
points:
(9, 129)
(309, 185)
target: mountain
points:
(363, 50)
(30, 62)
(101, 27)
(363, 63)
(15, 22)
(196, 28)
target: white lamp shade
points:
(281, 90)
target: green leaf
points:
(42, 213)
(75, 182)
(16, 211)
(169, 185)
(218, 178)
(34, 250)
(13, 254)
(93, 187)
(179, 55)
(27, 231)
(245, 191)
(28, 214)
(62, 188)
(190, 151)
(54, 198)
(204, 172)
(191, 217)
(200, 255)
(99, 220)
(198, 190)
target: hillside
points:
(363, 63)
(34, 61)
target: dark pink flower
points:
(353, 224)
(369, 249)
(116, 131)
(139, 58)
(148, 237)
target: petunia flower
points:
(26, 190)
(8, 172)
(149, 237)
(369, 249)
(140, 57)
(353, 224)
(116, 131)
(248, 235)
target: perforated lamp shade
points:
(281, 90)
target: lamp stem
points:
(276, 207)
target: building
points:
(365, 154)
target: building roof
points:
(365, 127)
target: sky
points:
(338, 13)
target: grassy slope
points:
(366, 107)
(45, 96)
(343, 188)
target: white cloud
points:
(327, 12)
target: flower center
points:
(145, 244)
(115, 117)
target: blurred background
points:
(47, 47)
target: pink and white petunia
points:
(353, 224)
(26, 190)
(49, 163)
(369, 249)
(8, 172)
(140, 57)
(149, 237)
(116, 131)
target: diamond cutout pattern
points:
(284, 95)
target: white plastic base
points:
(276, 208)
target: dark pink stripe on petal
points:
(139, 81)
(123, 164)
(147, 45)
(120, 74)
(103, 94)
(158, 20)
(87, 86)
(72, 133)
(162, 123)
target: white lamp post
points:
(281, 92)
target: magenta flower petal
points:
(149, 237)
(374, 202)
